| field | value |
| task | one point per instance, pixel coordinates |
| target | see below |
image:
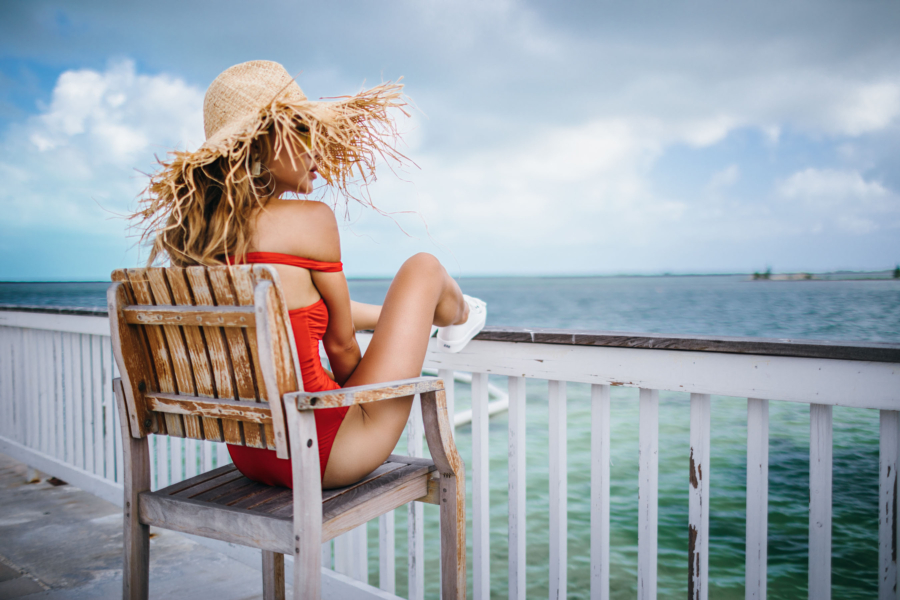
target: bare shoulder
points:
(300, 227)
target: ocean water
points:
(832, 310)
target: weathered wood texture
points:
(273, 575)
(889, 448)
(698, 499)
(869, 351)
(757, 535)
(648, 492)
(600, 459)
(136, 571)
(196, 329)
(212, 316)
(517, 488)
(820, 474)
(365, 393)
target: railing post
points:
(698, 503)
(481, 513)
(757, 498)
(558, 491)
(888, 447)
(820, 452)
(648, 492)
(517, 488)
(600, 455)
(414, 511)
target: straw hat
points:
(346, 134)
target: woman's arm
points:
(365, 316)
(340, 337)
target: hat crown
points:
(239, 92)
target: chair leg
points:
(136, 455)
(453, 537)
(273, 575)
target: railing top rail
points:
(867, 351)
(833, 350)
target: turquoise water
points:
(835, 310)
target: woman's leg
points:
(420, 295)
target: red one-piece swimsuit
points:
(308, 324)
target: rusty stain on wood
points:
(695, 480)
(693, 562)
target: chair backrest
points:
(204, 353)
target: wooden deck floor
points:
(57, 542)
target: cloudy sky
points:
(549, 138)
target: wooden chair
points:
(207, 353)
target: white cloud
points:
(727, 177)
(74, 165)
(843, 197)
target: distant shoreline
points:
(885, 275)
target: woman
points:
(223, 204)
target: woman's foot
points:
(454, 338)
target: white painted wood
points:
(45, 372)
(96, 405)
(65, 323)
(59, 440)
(191, 456)
(326, 554)
(163, 476)
(450, 394)
(86, 402)
(120, 458)
(600, 459)
(481, 539)
(109, 411)
(757, 498)
(176, 459)
(648, 492)
(517, 488)
(820, 462)
(152, 442)
(559, 504)
(69, 391)
(698, 498)
(78, 399)
(207, 452)
(844, 383)
(29, 374)
(222, 456)
(888, 448)
(387, 561)
(5, 379)
(348, 559)
(415, 514)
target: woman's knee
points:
(423, 264)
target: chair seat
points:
(224, 505)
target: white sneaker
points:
(454, 338)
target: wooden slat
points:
(163, 475)
(109, 412)
(600, 458)
(227, 348)
(648, 492)
(820, 463)
(757, 498)
(888, 448)
(86, 402)
(191, 468)
(198, 351)
(415, 511)
(558, 490)
(481, 513)
(275, 360)
(517, 488)
(245, 295)
(212, 316)
(384, 469)
(57, 437)
(364, 393)
(210, 408)
(176, 464)
(45, 372)
(449, 377)
(77, 397)
(159, 350)
(224, 523)
(273, 575)
(181, 362)
(698, 499)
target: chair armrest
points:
(364, 393)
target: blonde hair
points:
(198, 208)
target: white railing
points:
(56, 415)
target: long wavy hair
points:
(199, 207)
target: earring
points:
(256, 168)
